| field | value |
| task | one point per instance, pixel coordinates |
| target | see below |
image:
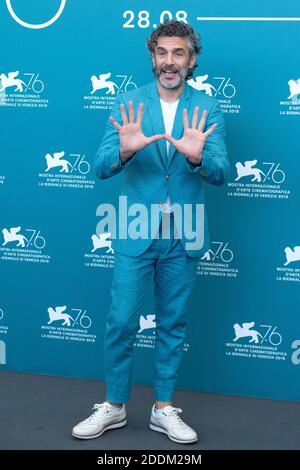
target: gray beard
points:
(170, 87)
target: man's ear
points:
(152, 58)
(193, 59)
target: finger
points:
(154, 138)
(131, 112)
(170, 139)
(115, 123)
(210, 130)
(140, 113)
(123, 114)
(195, 117)
(185, 119)
(202, 121)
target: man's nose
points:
(170, 59)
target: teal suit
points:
(151, 173)
(147, 177)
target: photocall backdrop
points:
(63, 63)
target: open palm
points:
(131, 135)
(192, 142)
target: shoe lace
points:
(101, 409)
(173, 416)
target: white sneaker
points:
(168, 422)
(105, 417)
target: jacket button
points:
(168, 177)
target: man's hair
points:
(176, 28)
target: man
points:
(165, 166)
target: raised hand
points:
(192, 142)
(131, 135)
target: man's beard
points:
(182, 73)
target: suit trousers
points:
(174, 274)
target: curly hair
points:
(177, 28)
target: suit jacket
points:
(150, 173)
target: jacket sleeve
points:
(214, 165)
(107, 161)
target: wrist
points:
(195, 163)
(124, 156)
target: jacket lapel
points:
(177, 131)
(157, 119)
